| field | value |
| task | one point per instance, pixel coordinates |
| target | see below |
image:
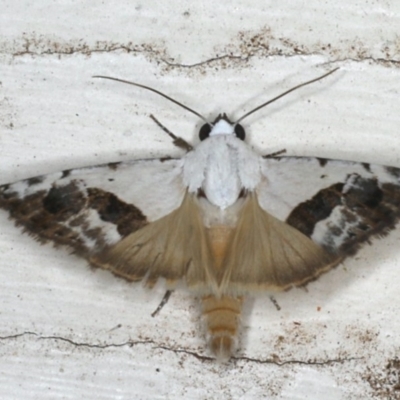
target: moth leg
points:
(275, 154)
(275, 303)
(163, 302)
(178, 141)
(115, 327)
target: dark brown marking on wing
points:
(367, 208)
(305, 216)
(366, 166)
(393, 171)
(64, 201)
(66, 173)
(34, 181)
(62, 215)
(44, 226)
(322, 161)
(363, 193)
(375, 217)
(3, 190)
(127, 217)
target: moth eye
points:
(239, 132)
(204, 132)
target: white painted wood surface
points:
(69, 332)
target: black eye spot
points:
(239, 132)
(204, 132)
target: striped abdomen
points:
(221, 313)
(222, 317)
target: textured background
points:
(69, 332)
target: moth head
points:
(222, 126)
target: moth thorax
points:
(222, 317)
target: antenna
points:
(198, 114)
(155, 91)
(284, 94)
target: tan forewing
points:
(173, 247)
(266, 253)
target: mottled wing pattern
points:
(137, 220)
(90, 209)
(337, 204)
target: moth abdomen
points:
(222, 317)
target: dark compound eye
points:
(239, 132)
(204, 132)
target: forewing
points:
(90, 209)
(309, 215)
(337, 204)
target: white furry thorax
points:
(222, 165)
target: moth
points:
(224, 219)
